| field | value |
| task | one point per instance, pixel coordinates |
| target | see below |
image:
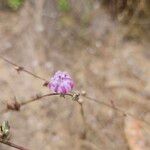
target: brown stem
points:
(42, 96)
(116, 108)
(20, 68)
(84, 121)
(13, 145)
(12, 106)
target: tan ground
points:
(101, 62)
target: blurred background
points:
(104, 45)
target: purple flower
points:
(61, 83)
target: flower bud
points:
(61, 83)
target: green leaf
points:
(14, 4)
(5, 129)
(64, 5)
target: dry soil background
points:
(90, 46)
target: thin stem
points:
(117, 109)
(20, 68)
(42, 96)
(12, 106)
(84, 121)
(13, 145)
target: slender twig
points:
(57, 94)
(13, 145)
(20, 68)
(117, 109)
(16, 106)
(33, 100)
(89, 98)
(42, 96)
(84, 121)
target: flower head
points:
(61, 83)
